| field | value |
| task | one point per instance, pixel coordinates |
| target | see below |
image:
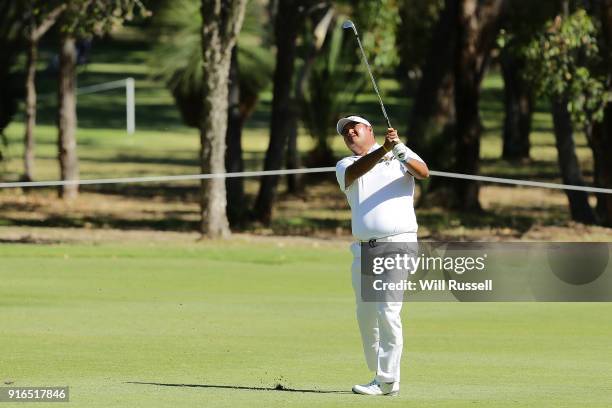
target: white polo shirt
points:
(382, 199)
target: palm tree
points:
(179, 48)
(333, 83)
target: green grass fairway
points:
(228, 316)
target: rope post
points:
(130, 106)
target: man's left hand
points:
(400, 151)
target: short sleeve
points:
(410, 156)
(341, 167)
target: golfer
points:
(379, 185)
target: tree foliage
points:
(414, 34)
(84, 18)
(331, 84)
(338, 73)
(180, 53)
(39, 16)
(378, 21)
(564, 62)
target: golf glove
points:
(400, 151)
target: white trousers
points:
(380, 323)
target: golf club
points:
(350, 24)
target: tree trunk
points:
(518, 103)
(286, 29)
(433, 113)
(602, 151)
(67, 118)
(602, 132)
(477, 27)
(568, 163)
(236, 207)
(221, 23)
(294, 181)
(29, 141)
(11, 27)
(600, 142)
(35, 33)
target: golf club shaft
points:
(367, 64)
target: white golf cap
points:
(342, 122)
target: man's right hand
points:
(391, 139)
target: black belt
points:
(371, 242)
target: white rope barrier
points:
(149, 179)
(522, 182)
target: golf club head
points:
(349, 24)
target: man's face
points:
(358, 137)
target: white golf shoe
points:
(376, 388)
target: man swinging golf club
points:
(379, 185)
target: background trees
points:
(288, 22)
(330, 78)
(601, 140)
(431, 57)
(180, 52)
(566, 66)
(478, 23)
(445, 121)
(432, 119)
(39, 17)
(80, 19)
(11, 42)
(221, 23)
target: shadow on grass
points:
(483, 219)
(27, 239)
(167, 193)
(309, 225)
(533, 170)
(165, 223)
(162, 192)
(278, 387)
(161, 160)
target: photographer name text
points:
(432, 285)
